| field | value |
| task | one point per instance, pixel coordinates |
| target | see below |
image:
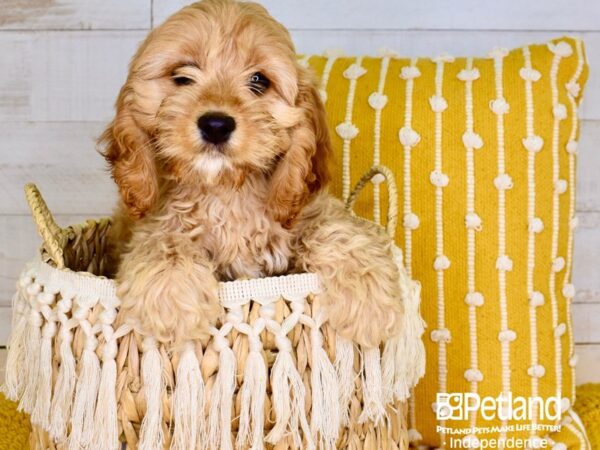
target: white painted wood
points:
(74, 14)
(588, 170)
(586, 263)
(3, 355)
(424, 14)
(5, 321)
(61, 158)
(588, 367)
(76, 76)
(585, 320)
(63, 76)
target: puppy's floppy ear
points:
(127, 149)
(303, 169)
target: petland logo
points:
(460, 406)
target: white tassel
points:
(188, 402)
(219, 417)
(391, 352)
(86, 393)
(325, 413)
(151, 432)
(344, 367)
(373, 406)
(410, 350)
(13, 382)
(106, 427)
(41, 412)
(253, 393)
(60, 410)
(32, 359)
(219, 425)
(288, 399)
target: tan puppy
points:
(220, 148)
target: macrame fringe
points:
(414, 363)
(288, 402)
(325, 416)
(41, 412)
(404, 355)
(106, 427)
(86, 393)
(253, 394)
(373, 404)
(219, 417)
(32, 349)
(60, 410)
(188, 402)
(344, 367)
(14, 381)
(151, 431)
(388, 369)
(88, 400)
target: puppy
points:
(220, 148)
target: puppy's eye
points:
(259, 83)
(180, 80)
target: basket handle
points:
(53, 236)
(392, 213)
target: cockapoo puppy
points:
(219, 148)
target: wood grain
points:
(74, 14)
(425, 14)
(61, 158)
(588, 366)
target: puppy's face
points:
(215, 94)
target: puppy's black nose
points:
(216, 127)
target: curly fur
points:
(192, 214)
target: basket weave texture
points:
(274, 374)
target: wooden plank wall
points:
(63, 62)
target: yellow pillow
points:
(484, 154)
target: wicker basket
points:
(273, 375)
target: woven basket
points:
(273, 375)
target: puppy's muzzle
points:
(215, 127)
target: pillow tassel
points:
(188, 401)
(151, 431)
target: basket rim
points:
(231, 293)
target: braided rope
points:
(392, 213)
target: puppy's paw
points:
(367, 315)
(172, 304)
